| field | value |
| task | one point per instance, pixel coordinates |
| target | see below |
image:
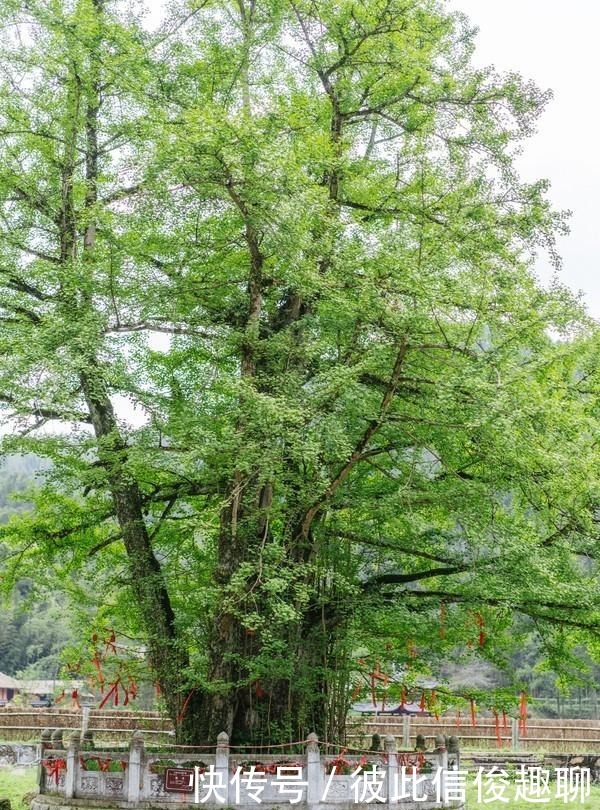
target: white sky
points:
(557, 45)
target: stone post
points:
(87, 740)
(406, 731)
(442, 762)
(57, 740)
(222, 763)
(313, 770)
(72, 765)
(134, 770)
(420, 743)
(85, 719)
(515, 734)
(391, 780)
(44, 745)
(454, 753)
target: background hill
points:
(32, 633)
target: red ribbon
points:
(96, 661)
(433, 704)
(523, 714)
(481, 625)
(473, 718)
(112, 692)
(54, 767)
(111, 643)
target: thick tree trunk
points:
(168, 659)
(269, 708)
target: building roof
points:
(48, 687)
(6, 682)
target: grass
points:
(15, 783)
(591, 803)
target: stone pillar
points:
(44, 745)
(515, 741)
(406, 731)
(313, 770)
(391, 768)
(87, 740)
(454, 753)
(57, 740)
(72, 766)
(85, 719)
(135, 770)
(442, 762)
(222, 764)
(420, 743)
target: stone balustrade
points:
(316, 779)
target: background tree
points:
(356, 427)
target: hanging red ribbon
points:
(97, 662)
(53, 768)
(181, 714)
(458, 720)
(423, 702)
(473, 718)
(75, 698)
(523, 714)
(481, 625)
(111, 643)
(505, 721)
(113, 693)
(378, 675)
(432, 703)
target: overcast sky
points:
(557, 45)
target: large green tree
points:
(289, 236)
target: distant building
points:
(46, 693)
(412, 709)
(37, 693)
(8, 688)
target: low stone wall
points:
(15, 754)
(222, 778)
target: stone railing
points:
(225, 778)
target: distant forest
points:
(33, 632)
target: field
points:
(592, 803)
(16, 783)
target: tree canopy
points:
(267, 305)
